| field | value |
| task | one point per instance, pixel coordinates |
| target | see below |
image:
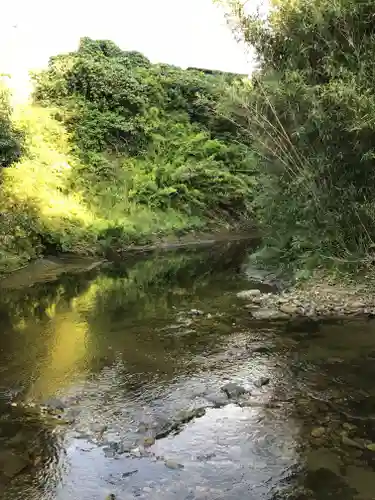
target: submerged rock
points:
(125, 447)
(233, 390)
(260, 349)
(362, 479)
(109, 452)
(269, 314)
(262, 381)
(217, 400)
(172, 464)
(351, 442)
(12, 464)
(98, 428)
(54, 404)
(323, 458)
(129, 473)
(174, 426)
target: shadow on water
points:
(138, 350)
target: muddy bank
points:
(48, 270)
(315, 299)
(192, 239)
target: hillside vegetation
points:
(310, 117)
(116, 151)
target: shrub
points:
(310, 116)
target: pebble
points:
(196, 312)
(356, 305)
(289, 309)
(148, 441)
(248, 294)
(318, 432)
(136, 452)
(171, 464)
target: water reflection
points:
(131, 347)
(56, 331)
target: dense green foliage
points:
(10, 138)
(310, 115)
(118, 151)
(153, 127)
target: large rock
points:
(233, 390)
(217, 400)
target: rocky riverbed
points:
(316, 299)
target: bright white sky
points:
(181, 32)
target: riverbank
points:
(195, 238)
(49, 268)
(322, 296)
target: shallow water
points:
(130, 348)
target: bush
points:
(310, 114)
(153, 128)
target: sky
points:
(181, 32)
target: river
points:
(111, 380)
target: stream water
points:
(110, 387)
